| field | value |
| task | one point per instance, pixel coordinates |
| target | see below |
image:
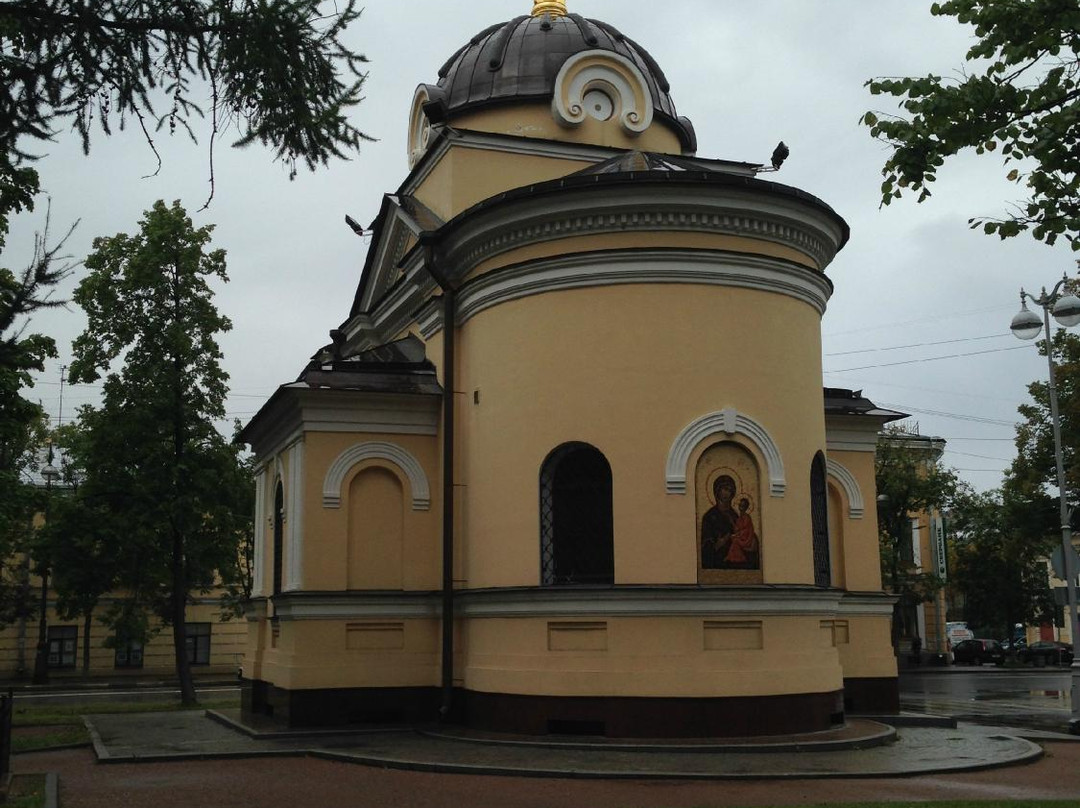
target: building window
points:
(819, 521)
(279, 543)
(576, 542)
(63, 645)
(128, 655)
(197, 643)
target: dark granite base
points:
(615, 717)
(872, 696)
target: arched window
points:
(576, 543)
(819, 521)
(279, 544)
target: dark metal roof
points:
(635, 161)
(520, 59)
(397, 367)
(840, 401)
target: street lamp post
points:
(41, 659)
(1028, 325)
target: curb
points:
(301, 734)
(52, 790)
(1033, 754)
(879, 736)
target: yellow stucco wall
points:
(352, 653)
(466, 175)
(649, 656)
(862, 566)
(625, 369)
(868, 653)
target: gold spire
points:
(556, 8)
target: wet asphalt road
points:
(1027, 697)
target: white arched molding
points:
(376, 450)
(419, 126)
(610, 73)
(846, 480)
(725, 422)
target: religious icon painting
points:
(727, 485)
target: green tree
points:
(1018, 95)
(22, 429)
(1034, 470)
(278, 71)
(167, 481)
(910, 480)
(1000, 542)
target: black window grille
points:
(197, 643)
(576, 541)
(819, 520)
(279, 542)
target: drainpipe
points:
(449, 312)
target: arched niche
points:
(376, 530)
(849, 485)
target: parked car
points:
(976, 652)
(1047, 652)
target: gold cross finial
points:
(556, 8)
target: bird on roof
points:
(779, 155)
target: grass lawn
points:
(27, 791)
(43, 726)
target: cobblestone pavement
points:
(301, 782)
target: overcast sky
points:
(920, 316)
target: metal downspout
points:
(449, 315)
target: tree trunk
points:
(88, 622)
(179, 563)
(179, 621)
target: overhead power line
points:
(919, 345)
(933, 359)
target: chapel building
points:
(567, 465)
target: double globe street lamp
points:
(1027, 325)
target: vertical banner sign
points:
(937, 542)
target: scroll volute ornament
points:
(608, 77)
(419, 127)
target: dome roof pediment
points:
(520, 60)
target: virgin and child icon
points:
(728, 538)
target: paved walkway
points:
(911, 750)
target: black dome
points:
(520, 59)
